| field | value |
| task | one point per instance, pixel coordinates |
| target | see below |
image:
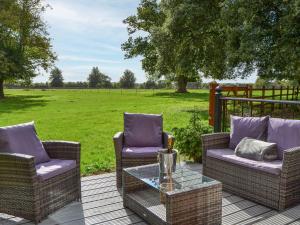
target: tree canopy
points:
(176, 39)
(25, 45)
(127, 80)
(263, 36)
(222, 39)
(56, 78)
(98, 79)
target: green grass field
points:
(92, 117)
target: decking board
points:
(102, 204)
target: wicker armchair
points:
(122, 161)
(24, 194)
(275, 191)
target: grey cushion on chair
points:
(137, 152)
(252, 127)
(54, 168)
(257, 150)
(285, 133)
(228, 155)
(143, 130)
(22, 139)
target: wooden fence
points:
(247, 91)
(226, 106)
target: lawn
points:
(92, 117)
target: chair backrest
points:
(22, 138)
(143, 130)
(285, 133)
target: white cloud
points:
(87, 59)
(82, 17)
(88, 33)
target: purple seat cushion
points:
(143, 130)
(22, 139)
(53, 168)
(251, 127)
(285, 133)
(273, 167)
(139, 152)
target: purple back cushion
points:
(251, 127)
(143, 130)
(285, 133)
(22, 139)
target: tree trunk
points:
(1, 88)
(181, 85)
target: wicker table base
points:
(199, 204)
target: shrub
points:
(188, 139)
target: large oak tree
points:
(180, 40)
(221, 39)
(24, 42)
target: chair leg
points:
(119, 178)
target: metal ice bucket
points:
(167, 161)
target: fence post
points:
(262, 105)
(212, 92)
(218, 110)
(250, 96)
(280, 97)
(273, 97)
(250, 91)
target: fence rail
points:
(274, 93)
(226, 106)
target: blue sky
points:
(87, 33)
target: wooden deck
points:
(102, 204)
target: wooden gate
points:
(236, 91)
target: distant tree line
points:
(95, 79)
(260, 82)
(149, 84)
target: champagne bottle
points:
(170, 144)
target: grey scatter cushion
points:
(252, 127)
(22, 139)
(143, 130)
(256, 150)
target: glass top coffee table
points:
(186, 198)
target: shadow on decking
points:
(102, 203)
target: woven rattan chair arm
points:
(215, 140)
(17, 156)
(63, 150)
(292, 151)
(118, 140)
(291, 160)
(166, 136)
(290, 178)
(14, 165)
